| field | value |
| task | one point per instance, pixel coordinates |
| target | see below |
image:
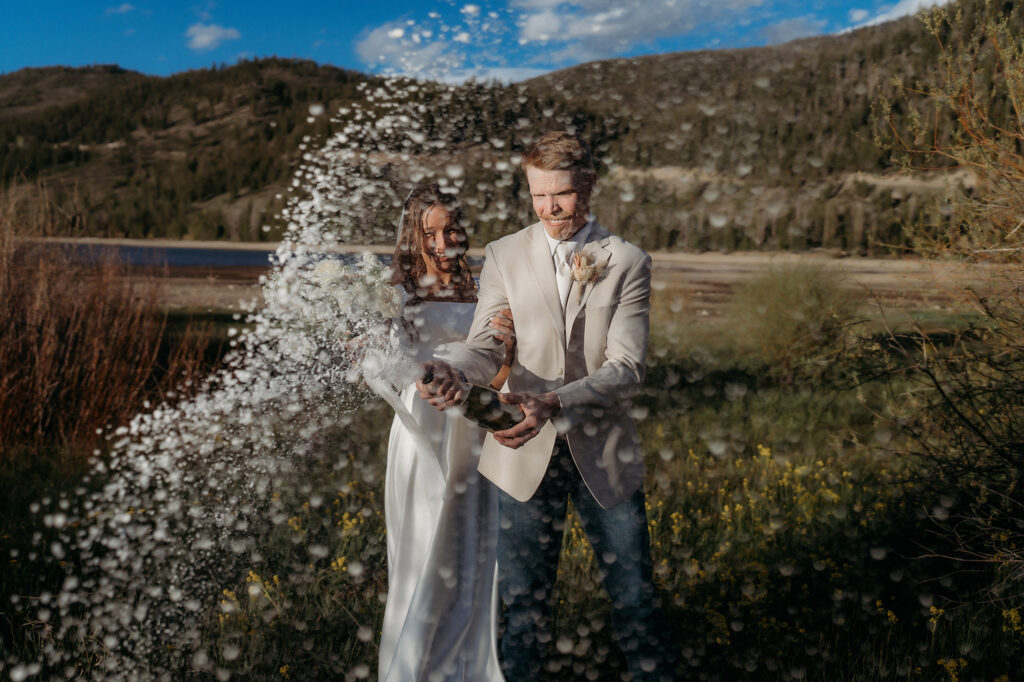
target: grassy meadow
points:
(796, 532)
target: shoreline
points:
(705, 280)
(666, 257)
(720, 262)
(268, 247)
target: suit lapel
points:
(542, 271)
(597, 248)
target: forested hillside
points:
(199, 153)
(756, 148)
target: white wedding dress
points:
(440, 620)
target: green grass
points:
(787, 536)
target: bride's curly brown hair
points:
(407, 265)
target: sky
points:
(442, 39)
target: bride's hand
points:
(505, 331)
(441, 384)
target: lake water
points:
(138, 255)
(187, 256)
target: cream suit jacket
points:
(592, 357)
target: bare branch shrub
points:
(964, 408)
(80, 345)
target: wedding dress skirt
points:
(440, 619)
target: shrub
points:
(964, 411)
(789, 322)
(82, 345)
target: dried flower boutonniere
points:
(585, 269)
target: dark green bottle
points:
(482, 406)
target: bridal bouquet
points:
(351, 297)
(329, 308)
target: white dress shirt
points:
(561, 255)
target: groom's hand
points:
(444, 386)
(537, 408)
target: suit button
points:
(560, 372)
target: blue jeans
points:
(529, 544)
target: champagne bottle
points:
(482, 406)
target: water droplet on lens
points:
(719, 448)
(564, 645)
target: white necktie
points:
(563, 251)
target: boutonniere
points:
(585, 269)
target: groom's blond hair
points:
(559, 150)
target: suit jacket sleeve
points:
(483, 354)
(622, 372)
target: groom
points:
(581, 323)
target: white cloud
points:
(469, 38)
(393, 48)
(547, 34)
(900, 9)
(579, 30)
(209, 36)
(123, 8)
(793, 28)
(541, 33)
(541, 26)
(452, 47)
(858, 15)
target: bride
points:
(440, 619)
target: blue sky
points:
(447, 39)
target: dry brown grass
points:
(82, 346)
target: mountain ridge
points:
(775, 132)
